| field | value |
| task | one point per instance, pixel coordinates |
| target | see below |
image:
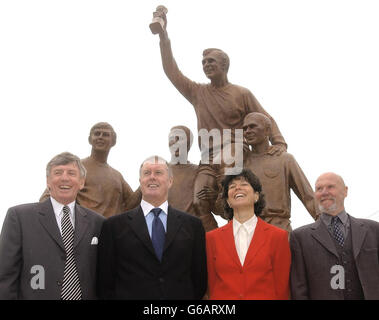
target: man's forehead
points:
(151, 164)
(329, 179)
(102, 129)
(70, 166)
(253, 119)
(213, 55)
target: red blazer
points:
(265, 272)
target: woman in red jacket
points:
(247, 258)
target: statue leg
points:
(206, 176)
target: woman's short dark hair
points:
(253, 180)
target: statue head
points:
(102, 136)
(180, 142)
(256, 128)
(215, 62)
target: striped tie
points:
(71, 284)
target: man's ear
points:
(82, 182)
(170, 181)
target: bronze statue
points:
(278, 174)
(105, 190)
(219, 106)
(181, 195)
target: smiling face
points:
(330, 193)
(155, 182)
(101, 139)
(213, 66)
(64, 182)
(241, 194)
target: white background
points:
(65, 65)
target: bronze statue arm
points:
(301, 186)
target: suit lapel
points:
(49, 222)
(258, 240)
(229, 243)
(81, 224)
(358, 234)
(139, 227)
(174, 223)
(322, 235)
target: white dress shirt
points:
(243, 233)
(58, 211)
(149, 216)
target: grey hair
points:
(63, 159)
(157, 159)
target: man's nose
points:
(324, 191)
(65, 176)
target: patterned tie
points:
(337, 232)
(71, 283)
(158, 233)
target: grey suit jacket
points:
(314, 253)
(30, 241)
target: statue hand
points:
(207, 193)
(161, 14)
(277, 149)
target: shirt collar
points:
(58, 207)
(147, 207)
(327, 218)
(249, 225)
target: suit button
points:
(59, 283)
(161, 280)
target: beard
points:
(330, 209)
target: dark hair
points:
(253, 180)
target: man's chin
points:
(330, 209)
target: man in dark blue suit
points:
(153, 251)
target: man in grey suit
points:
(335, 258)
(48, 250)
